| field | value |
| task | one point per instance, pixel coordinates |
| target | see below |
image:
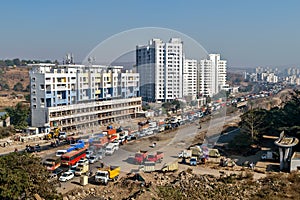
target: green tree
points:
(253, 122)
(27, 89)
(19, 115)
(2, 63)
(16, 61)
(22, 176)
(18, 87)
(167, 106)
(9, 62)
(176, 105)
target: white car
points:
(88, 154)
(83, 162)
(73, 168)
(93, 159)
(149, 132)
(66, 176)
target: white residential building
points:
(160, 67)
(190, 70)
(77, 96)
(212, 75)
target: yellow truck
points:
(170, 167)
(105, 175)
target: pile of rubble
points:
(184, 185)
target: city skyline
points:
(247, 34)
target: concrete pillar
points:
(286, 158)
(290, 154)
(281, 158)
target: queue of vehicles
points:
(78, 156)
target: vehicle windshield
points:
(60, 153)
(100, 174)
(108, 149)
(51, 176)
(65, 175)
(151, 156)
(48, 164)
(92, 157)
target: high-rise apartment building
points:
(78, 96)
(160, 67)
(190, 70)
(211, 75)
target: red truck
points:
(140, 157)
(157, 157)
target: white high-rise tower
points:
(160, 67)
(212, 75)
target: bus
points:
(52, 163)
(71, 158)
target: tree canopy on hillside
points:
(18, 62)
(19, 115)
(256, 122)
(22, 176)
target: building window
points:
(34, 106)
(42, 86)
(33, 79)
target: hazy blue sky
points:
(246, 33)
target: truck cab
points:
(193, 161)
(105, 175)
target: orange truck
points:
(110, 131)
(100, 141)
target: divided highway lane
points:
(182, 139)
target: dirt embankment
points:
(189, 185)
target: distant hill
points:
(10, 76)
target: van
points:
(59, 153)
(111, 148)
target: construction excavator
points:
(53, 134)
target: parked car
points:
(83, 161)
(66, 176)
(142, 134)
(149, 132)
(72, 169)
(88, 154)
(52, 177)
(31, 149)
(93, 159)
(62, 135)
(58, 171)
(131, 137)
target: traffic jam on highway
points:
(83, 152)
